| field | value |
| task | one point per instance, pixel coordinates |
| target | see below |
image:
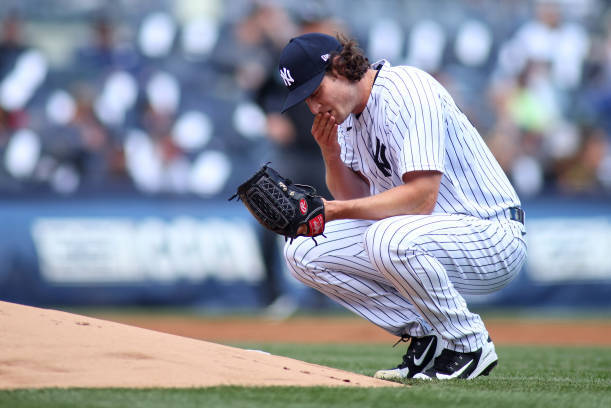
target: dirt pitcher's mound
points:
(48, 348)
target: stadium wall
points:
(163, 251)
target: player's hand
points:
(324, 130)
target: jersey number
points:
(380, 158)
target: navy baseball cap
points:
(302, 65)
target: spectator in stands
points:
(9, 122)
(551, 38)
(583, 173)
(11, 43)
(260, 35)
(103, 51)
(596, 93)
(83, 155)
(539, 69)
(158, 124)
(290, 146)
(293, 150)
(12, 46)
(103, 158)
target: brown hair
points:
(350, 62)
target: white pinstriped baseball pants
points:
(407, 274)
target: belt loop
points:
(516, 214)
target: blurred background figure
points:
(259, 38)
(291, 148)
(102, 52)
(11, 43)
(78, 150)
(542, 69)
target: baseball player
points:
(422, 212)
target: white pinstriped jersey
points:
(411, 123)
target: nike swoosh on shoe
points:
(418, 361)
(455, 374)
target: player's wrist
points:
(330, 210)
(336, 209)
(331, 153)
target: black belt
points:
(515, 214)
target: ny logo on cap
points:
(285, 74)
(325, 57)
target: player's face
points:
(335, 95)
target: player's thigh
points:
(479, 256)
(340, 249)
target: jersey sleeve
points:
(419, 130)
(347, 154)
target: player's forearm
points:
(342, 182)
(417, 197)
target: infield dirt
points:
(48, 348)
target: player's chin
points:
(339, 119)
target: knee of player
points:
(298, 253)
(301, 261)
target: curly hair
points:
(350, 62)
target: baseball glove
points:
(281, 206)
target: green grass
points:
(525, 377)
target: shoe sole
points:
(389, 375)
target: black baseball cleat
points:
(420, 355)
(453, 364)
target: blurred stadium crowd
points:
(182, 97)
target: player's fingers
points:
(324, 130)
(317, 125)
(324, 127)
(330, 134)
(302, 230)
(328, 122)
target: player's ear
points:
(334, 71)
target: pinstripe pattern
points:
(432, 260)
(423, 129)
(408, 274)
(339, 267)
